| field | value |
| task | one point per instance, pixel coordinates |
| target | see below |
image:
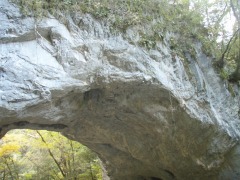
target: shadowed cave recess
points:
(149, 115)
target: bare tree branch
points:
(221, 62)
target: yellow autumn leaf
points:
(7, 149)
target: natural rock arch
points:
(146, 114)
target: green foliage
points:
(201, 21)
(231, 90)
(9, 167)
(149, 41)
(121, 14)
(224, 74)
(46, 155)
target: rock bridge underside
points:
(145, 113)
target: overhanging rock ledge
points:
(147, 114)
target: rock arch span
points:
(146, 113)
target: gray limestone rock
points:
(147, 114)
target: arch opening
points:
(41, 154)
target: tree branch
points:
(236, 14)
(221, 62)
(51, 154)
(9, 169)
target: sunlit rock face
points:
(148, 114)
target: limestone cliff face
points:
(147, 114)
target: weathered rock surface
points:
(147, 114)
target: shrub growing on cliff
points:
(187, 20)
(158, 17)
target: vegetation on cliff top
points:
(188, 21)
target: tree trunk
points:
(52, 156)
(236, 75)
(235, 5)
(9, 169)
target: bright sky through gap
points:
(229, 20)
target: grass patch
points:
(153, 19)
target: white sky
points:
(229, 19)
(229, 23)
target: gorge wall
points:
(148, 114)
